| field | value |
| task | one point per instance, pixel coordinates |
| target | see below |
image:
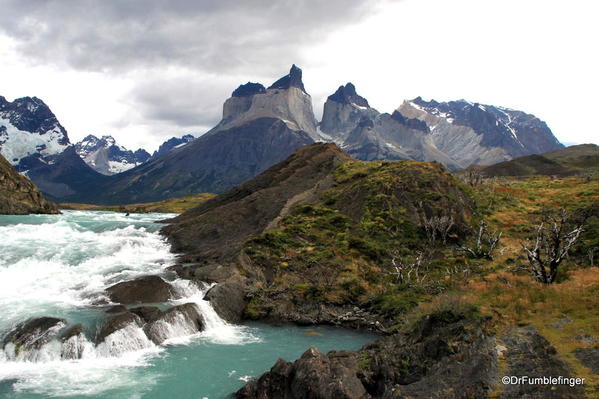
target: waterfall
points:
(127, 339)
(216, 330)
(176, 326)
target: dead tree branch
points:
(485, 244)
(550, 246)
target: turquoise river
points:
(59, 266)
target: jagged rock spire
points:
(293, 79)
(347, 95)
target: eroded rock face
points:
(286, 99)
(314, 375)
(178, 321)
(18, 195)
(145, 289)
(529, 354)
(446, 356)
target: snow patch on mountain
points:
(16, 144)
(105, 156)
(28, 127)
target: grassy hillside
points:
(173, 205)
(325, 239)
(340, 252)
(567, 162)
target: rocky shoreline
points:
(452, 353)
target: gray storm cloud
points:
(212, 45)
(214, 36)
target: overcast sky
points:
(146, 70)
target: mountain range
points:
(260, 127)
(105, 156)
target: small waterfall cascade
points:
(190, 317)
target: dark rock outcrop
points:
(18, 195)
(293, 79)
(314, 375)
(34, 333)
(529, 354)
(173, 142)
(347, 95)
(248, 89)
(228, 299)
(446, 356)
(145, 289)
(72, 331)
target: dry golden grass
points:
(517, 300)
(173, 205)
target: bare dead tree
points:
(486, 242)
(405, 272)
(435, 226)
(551, 244)
(438, 226)
(473, 177)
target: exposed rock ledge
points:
(446, 356)
(19, 196)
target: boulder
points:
(147, 313)
(228, 300)
(145, 289)
(181, 320)
(118, 322)
(34, 333)
(314, 375)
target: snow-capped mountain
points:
(28, 127)
(482, 134)
(105, 156)
(173, 142)
(455, 133)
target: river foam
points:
(56, 265)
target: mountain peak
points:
(293, 79)
(347, 95)
(248, 89)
